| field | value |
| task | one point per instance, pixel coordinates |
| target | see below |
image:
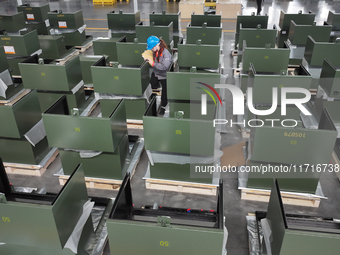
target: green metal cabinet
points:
(211, 20)
(20, 45)
(130, 53)
(165, 32)
(284, 24)
(3, 60)
(37, 227)
(79, 99)
(87, 133)
(297, 146)
(12, 23)
(316, 52)
(263, 84)
(86, 61)
(53, 47)
(120, 80)
(207, 35)
(257, 37)
(265, 59)
(107, 46)
(19, 118)
(182, 85)
(298, 33)
(169, 230)
(49, 75)
(176, 135)
(201, 56)
(334, 20)
(122, 21)
(106, 165)
(34, 13)
(164, 19)
(329, 79)
(63, 20)
(21, 151)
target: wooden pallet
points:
(16, 99)
(237, 71)
(83, 48)
(289, 199)
(187, 187)
(134, 124)
(62, 61)
(158, 92)
(25, 169)
(234, 53)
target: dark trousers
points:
(155, 84)
(259, 6)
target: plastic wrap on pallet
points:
(81, 29)
(135, 153)
(267, 235)
(253, 236)
(36, 133)
(72, 242)
(63, 31)
(77, 87)
(225, 238)
(86, 153)
(5, 81)
(146, 95)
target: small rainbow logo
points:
(207, 91)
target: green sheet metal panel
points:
(284, 24)
(12, 23)
(77, 100)
(187, 136)
(257, 37)
(34, 13)
(22, 152)
(164, 19)
(316, 52)
(179, 85)
(274, 144)
(165, 32)
(334, 20)
(19, 118)
(106, 46)
(130, 35)
(121, 80)
(45, 226)
(3, 60)
(298, 33)
(63, 20)
(41, 28)
(130, 53)
(162, 240)
(117, 20)
(263, 86)
(309, 242)
(191, 110)
(329, 79)
(53, 47)
(75, 38)
(105, 166)
(265, 60)
(51, 75)
(20, 45)
(86, 61)
(13, 62)
(201, 56)
(251, 21)
(29, 250)
(177, 172)
(135, 108)
(211, 20)
(86, 133)
(207, 35)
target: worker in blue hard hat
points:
(160, 62)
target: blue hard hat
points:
(152, 42)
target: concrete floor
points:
(235, 208)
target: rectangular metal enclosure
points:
(120, 80)
(211, 20)
(165, 32)
(170, 230)
(257, 37)
(12, 23)
(20, 45)
(107, 46)
(117, 20)
(207, 35)
(130, 53)
(53, 47)
(298, 33)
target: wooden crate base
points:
(134, 124)
(95, 183)
(25, 169)
(63, 60)
(237, 71)
(83, 48)
(15, 99)
(187, 187)
(289, 199)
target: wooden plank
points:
(26, 169)
(289, 199)
(16, 99)
(186, 187)
(84, 47)
(62, 61)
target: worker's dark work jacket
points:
(160, 68)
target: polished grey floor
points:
(235, 208)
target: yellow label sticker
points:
(198, 53)
(62, 24)
(77, 129)
(116, 77)
(43, 74)
(266, 57)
